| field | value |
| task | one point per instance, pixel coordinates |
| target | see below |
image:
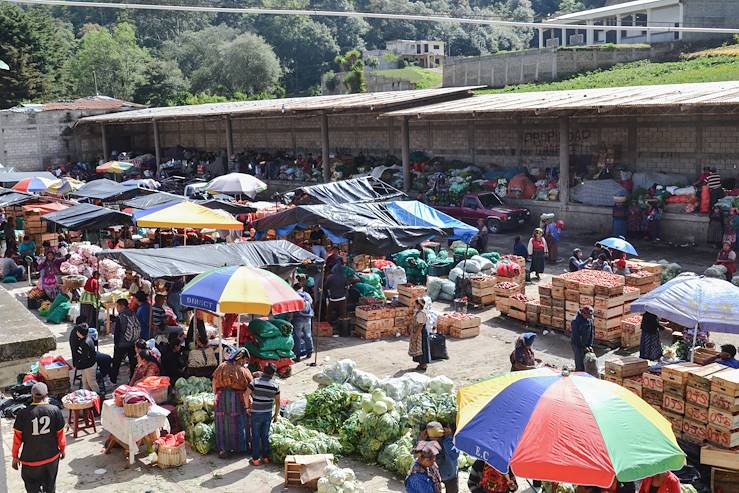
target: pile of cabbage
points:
(387, 413)
(327, 408)
(196, 415)
(286, 438)
(337, 480)
(192, 386)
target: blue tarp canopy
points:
(415, 213)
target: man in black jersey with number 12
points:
(39, 429)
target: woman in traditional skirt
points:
(90, 300)
(538, 251)
(650, 346)
(419, 345)
(715, 227)
(730, 227)
(230, 381)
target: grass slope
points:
(424, 78)
(715, 65)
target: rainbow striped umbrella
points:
(35, 185)
(562, 427)
(117, 167)
(240, 289)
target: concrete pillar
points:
(618, 32)
(564, 160)
(106, 149)
(564, 37)
(590, 34)
(682, 19)
(405, 152)
(229, 139)
(649, 33)
(324, 148)
(157, 145)
(541, 38)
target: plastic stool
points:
(85, 415)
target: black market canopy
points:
(279, 256)
(13, 177)
(355, 190)
(83, 217)
(109, 190)
(11, 197)
(228, 206)
(152, 200)
(371, 227)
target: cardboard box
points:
(54, 371)
(303, 471)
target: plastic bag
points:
(438, 346)
(337, 372)
(363, 380)
(485, 264)
(469, 266)
(433, 287)
(447, 287)
(295, 410)
(455, 273)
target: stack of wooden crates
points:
(483, 290)
(36, 229)
(409, 293)
(374, 321)
(503, 295)
(457, 325)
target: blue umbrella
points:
(619, 244)
(712, 304)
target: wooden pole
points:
(157, 146)
(104, 137)
(229, 141)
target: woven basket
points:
(78, 405)
(172, 456)
(136, 410)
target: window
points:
(418, 49)
(426, 48)
(436, 61)
(470, 202)
(436, 47)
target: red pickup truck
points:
(490, 208)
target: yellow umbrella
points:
(185, 215)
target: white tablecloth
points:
(131, 430)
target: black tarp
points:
(371, 228)
(10, 197)
(230, 207)
(278, 256)
(13, 177)
(355, 190)
(82, 217)
(104, 189)
(152, 200)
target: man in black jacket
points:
(84, 356)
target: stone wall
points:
(536, 65)
(710, 13)
(375, 83)
(31, 141)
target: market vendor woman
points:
(49, 269)
(230, 381)
(419, 347)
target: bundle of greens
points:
(398, 457)
(337, 480)
(328, 407)
(192, 386)
(368, 430)
(426, 406)
(196, 415)
(286, 439)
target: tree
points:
(305, 47)
(164, 84)
(110, 63)
(569, 6)
(248, 65)
(35, 47)
(352, 64)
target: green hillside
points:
(713, 65)
(424, 78)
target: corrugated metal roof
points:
(612, 10)
(100, 103)
(595, 100)
(375, 101)
(13, 177)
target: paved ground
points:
(470, 360)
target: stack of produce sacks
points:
(439, 289)
(369, 285)
(270, 339)
(475, 264)
(195, 412)
(337, 480)
(415, 267)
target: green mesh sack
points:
(264, 329)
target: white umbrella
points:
(237, 184)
